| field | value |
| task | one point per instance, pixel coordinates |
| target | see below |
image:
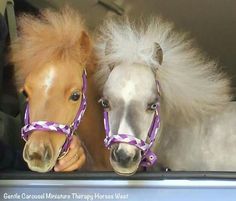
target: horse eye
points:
(75, 96)
(105, 103)
(25, 94)
(153, 106)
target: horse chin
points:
(124, 171)
(125, 174)
(40, 169)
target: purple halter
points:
(148, 157)
(68, 130)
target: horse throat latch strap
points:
(68, 130)
(148, 157)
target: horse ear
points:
(107, 52)
(85, 45)
(158, 53)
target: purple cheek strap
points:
(68, 130)
(148, 157)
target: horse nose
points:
(41, 154)
(120, 156)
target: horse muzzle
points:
(125, 158)
(39, 155)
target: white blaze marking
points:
(127, 93)
(48, 81)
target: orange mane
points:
(52, 36)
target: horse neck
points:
(91, 130)
(174, 124)
(171, 120)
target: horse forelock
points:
(190, 82)
(58, 36)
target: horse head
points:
(50, 57)
(151, 75)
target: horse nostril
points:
(136, 156)
(26, 154)
(114, 154)
(47, 154)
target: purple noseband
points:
(68, 130)
(148, 157)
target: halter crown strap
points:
(68, 130)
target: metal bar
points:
(11, 19)
(3, 4)
(112, 6)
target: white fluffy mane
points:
(190, 82)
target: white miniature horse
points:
(198, 124)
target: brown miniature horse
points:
(50, 56)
